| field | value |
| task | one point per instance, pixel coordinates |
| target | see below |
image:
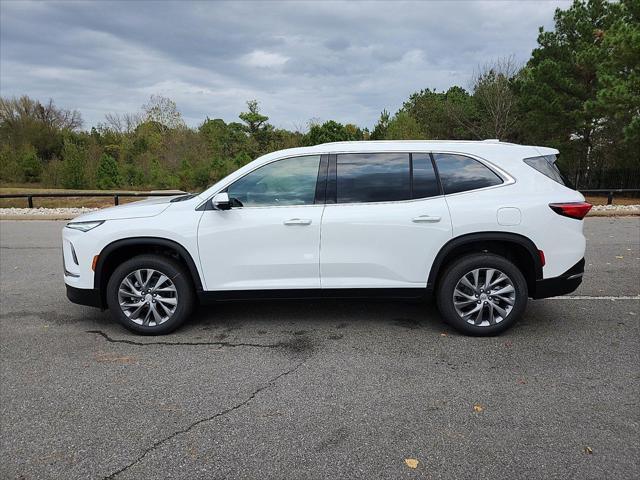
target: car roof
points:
(482, 148)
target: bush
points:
(107, 174)
(30, 165)
(74, 166)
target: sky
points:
(302, 60)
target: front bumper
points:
(85, 296)
(565, 283)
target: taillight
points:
(577, 210)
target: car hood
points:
(143, 208)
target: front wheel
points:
(150, 294)
(482, 294)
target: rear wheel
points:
(482, 294)
(150, 294)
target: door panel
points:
(393, 244)
(261, 248)
(270, 237)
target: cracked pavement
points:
(321, 389)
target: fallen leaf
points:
(411, 462)
(508, 344)
(588, 450)
(477, 408)
(522, 381)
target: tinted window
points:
(425, 183)
(373, 177)
(547, 166)
(286, 182)
(459, 173)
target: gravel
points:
(53, 213)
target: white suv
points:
(482, 225)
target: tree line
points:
(579, 92)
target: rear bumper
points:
(85, 296)
(565, 283)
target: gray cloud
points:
(301, 60)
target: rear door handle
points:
(298, 221)
(425, 219)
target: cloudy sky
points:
(301, 60)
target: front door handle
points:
(298, 221)
(425, 219)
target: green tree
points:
(253, 119)
(73, 166)
(107, 173)
(380, 129)
(618, 98)
(443, 115)
(560, 84)
(30, 165)
(331, 131)
(403, 127)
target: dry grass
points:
(90, 202)
(617, 200)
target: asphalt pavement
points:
(327, 389)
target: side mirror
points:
(221, 201)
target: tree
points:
(26, 121)
(380, 130)
(30, 165)
(73, 166)
(163, 111)
(618, 98)
(444, 115)
(495, 99)
(560, 84)
(403, 127)
(254, 120)
(331, 131)
(107, 173)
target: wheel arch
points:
(120, 250)
(517, 248)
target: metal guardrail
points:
(610, 192)
(116, 196)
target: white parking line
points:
(588, 297)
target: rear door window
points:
(373, 177)
(459, 173)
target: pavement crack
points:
(144, 344)
(168, 438)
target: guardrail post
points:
(30, 201)
(610, 198)
(116, 200)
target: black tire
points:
(175, 271)
(459, 268)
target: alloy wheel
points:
(148, 297)
(484, 297)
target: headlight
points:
(84, 226)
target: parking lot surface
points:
(347, 389)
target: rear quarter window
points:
(546, 165)
(459, 173)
